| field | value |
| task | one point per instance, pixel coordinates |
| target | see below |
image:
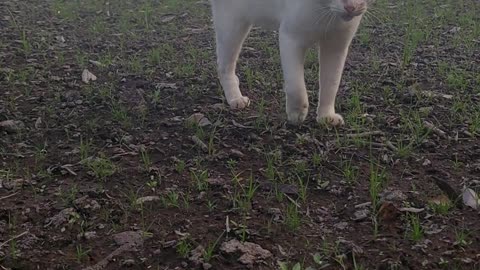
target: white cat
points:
(301, 23)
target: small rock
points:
(426, 163)
(341, 226)
(12, 126)
(206, 266)
(90, 235)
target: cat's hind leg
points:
(230, 35)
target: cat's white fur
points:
(330, 24)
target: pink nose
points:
(349, 8)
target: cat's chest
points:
(299, 19)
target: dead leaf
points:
(452, 194)
(470, 198)
(199, 119)
(199, 143)
(440, 200)
(60, 218)
(361, 214)
(236, 124)
(147, 199)
(96, 63)
(167, 18)
(38, 123)
(60, 39)
(412, 210)
(196, 255)
(161, 86)
(388, 212)
(87, 76)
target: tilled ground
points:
(146, 168)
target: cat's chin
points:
(347, 17)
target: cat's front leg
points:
(333, 53)
(292, 54)
(230, 35)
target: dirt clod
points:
(133, 238)
(12, 126)
(61, 218)
(251, 253)
(196, 255)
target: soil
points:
(77, 157)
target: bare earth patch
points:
(117, 150)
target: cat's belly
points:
(266, 23)
(265, 13)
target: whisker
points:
(322, 16)
(332, 18)
(378, 20)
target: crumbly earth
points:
(146, 168)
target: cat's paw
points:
(239, 103)
(331, 120)
(297, 117)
